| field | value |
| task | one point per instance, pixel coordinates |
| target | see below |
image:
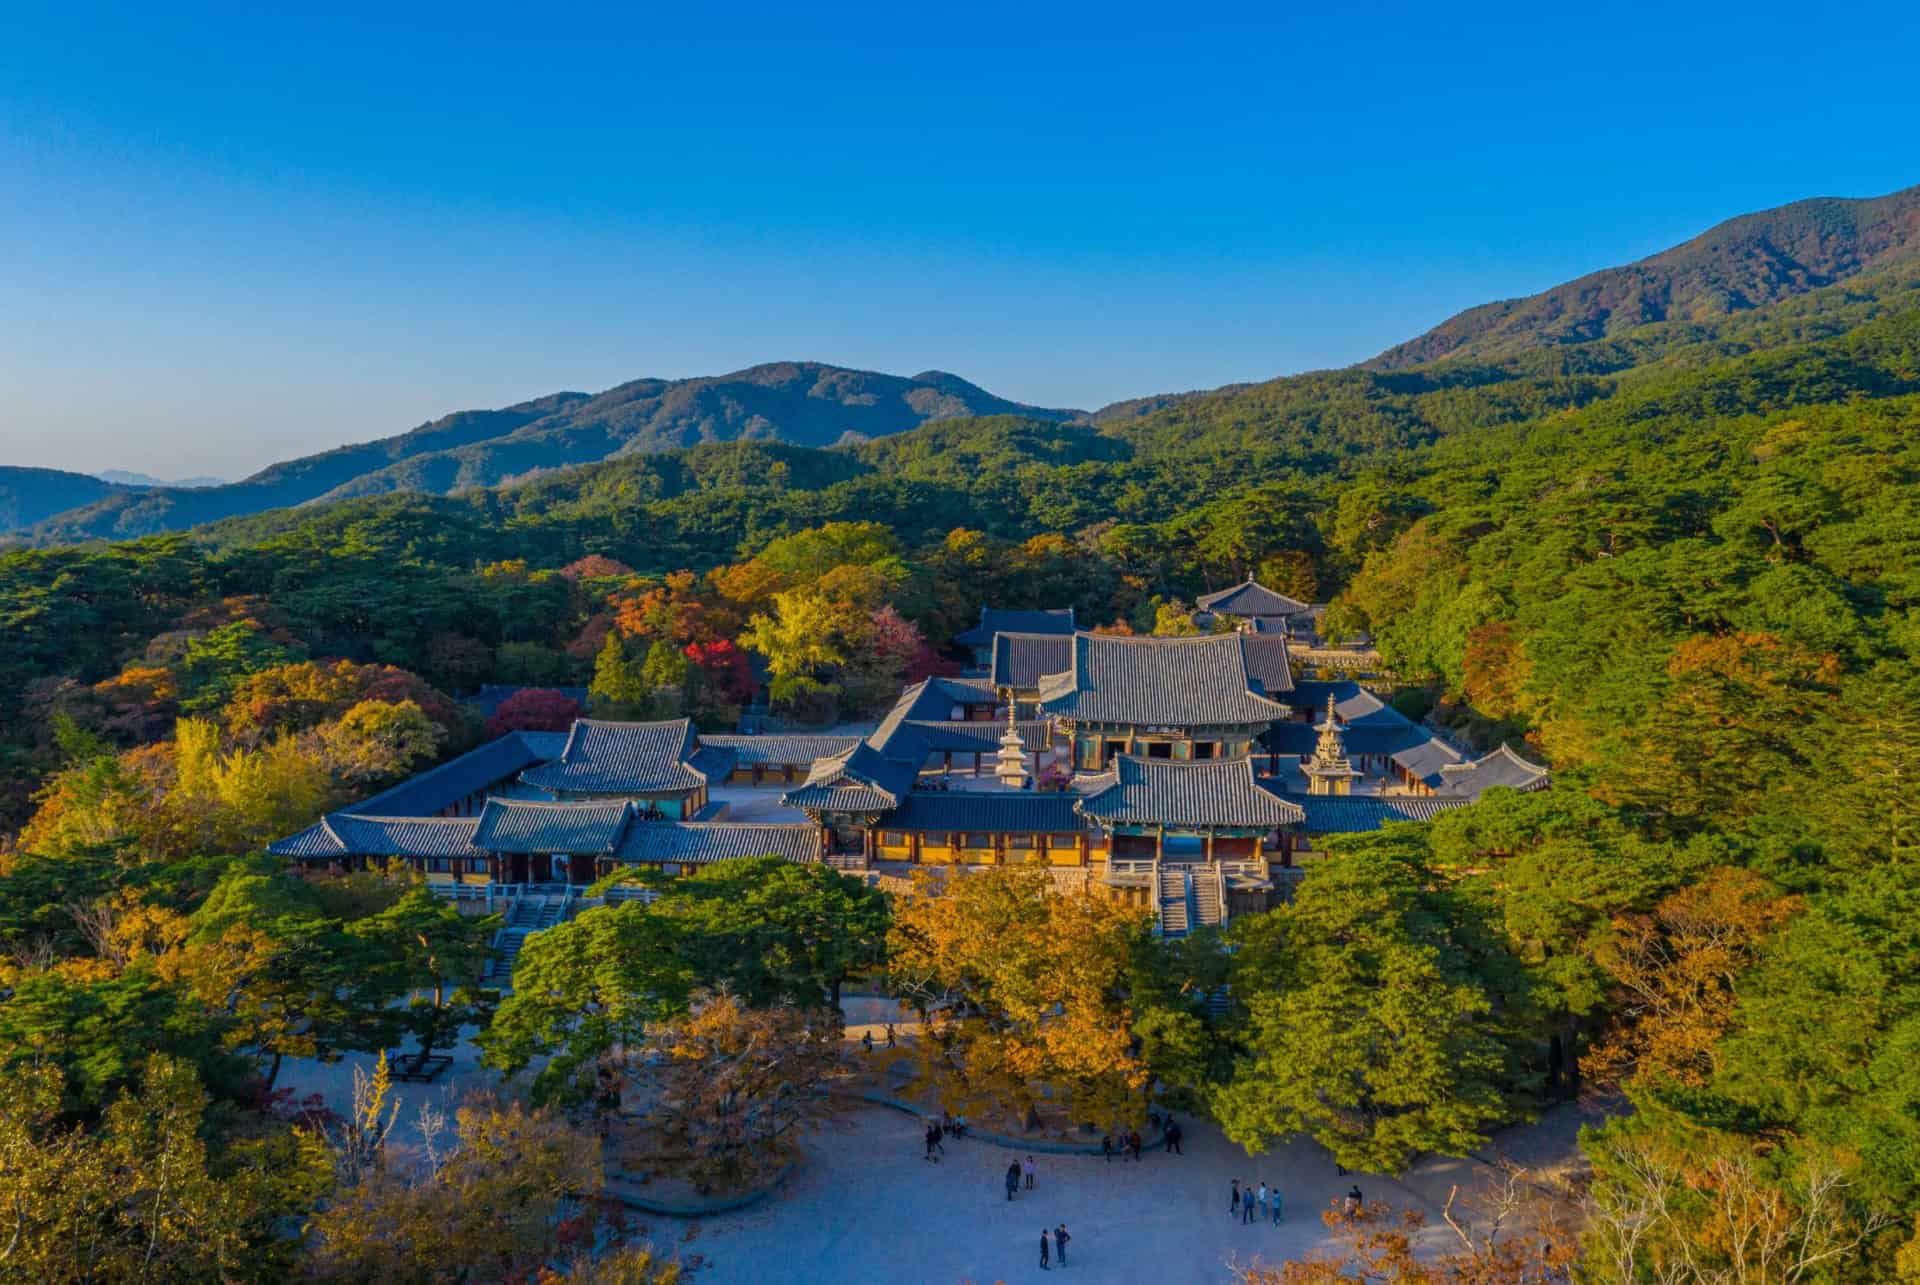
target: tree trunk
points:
(431, 1028)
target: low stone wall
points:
(627, 1189)
(1001, 1140)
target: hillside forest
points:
(1680, 562)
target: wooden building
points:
(1171, 698)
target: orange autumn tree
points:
(1675, 973)
(727, 1092)
(1022, 986)
(496, 1202)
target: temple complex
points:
(1195, 773)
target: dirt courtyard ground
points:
(869, 1208)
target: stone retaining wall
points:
(625, 1188)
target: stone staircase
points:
(1209, 895)
(528, 915)
(1176, 902)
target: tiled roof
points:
(1187, 794)
(978, 737)
(997, 620)
(701, 841)
(861, 780)
(927, 701)
(498, 760)
(965, 691)
(627, 758)
(749, 751)
(1501, 767)
(1174, 682)
(1249, 599)
(1427, 761)
(1267, 662)
(992, 811)
(1358, 813)
(343, 834)
(1020, 661)
(314, 841)
(514, 825)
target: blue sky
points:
(228, 238)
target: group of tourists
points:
(1128, 1144)
(1020, 1175)
(1251, 1203)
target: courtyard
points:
(868, 1207)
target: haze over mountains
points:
(802, 403)
(122, 477)
(1746, 263)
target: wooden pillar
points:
(913, 846)
(1208, 842)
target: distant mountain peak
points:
(121, 477)
(1745, 262)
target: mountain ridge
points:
(1580, 331)
(801, 402)
(1749, 261)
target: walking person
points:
(938, 1138)
(889, 1034)
(1106, 1147)
(866, 1041)
(1013, 1179)
(1060, 1239)
(1233, 1209)
(1246, 1207)
(1260, 1200)
(1133, 1142)
(1027, 1169)
(1276, 1206)
(1043, 1250)
(1172, 1135)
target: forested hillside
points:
(1680, 562)
(1742, 264)
(799, 402)
(28, 495)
